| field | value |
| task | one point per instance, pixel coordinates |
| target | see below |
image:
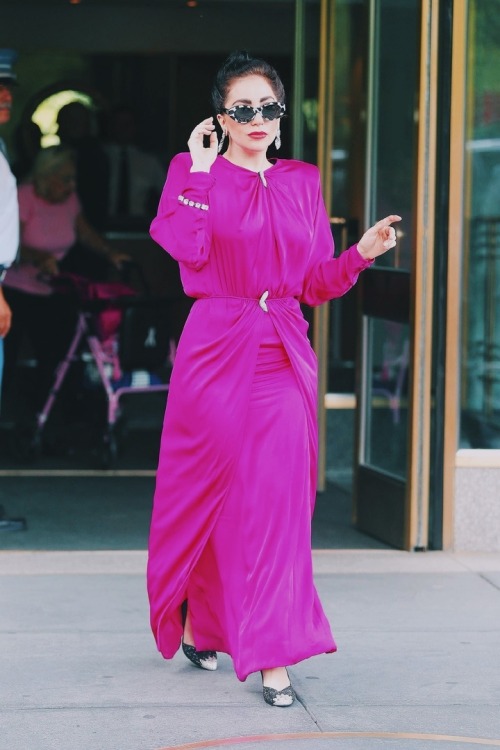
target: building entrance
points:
(377, 68)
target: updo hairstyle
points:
(238, 65)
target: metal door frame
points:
(422, 296)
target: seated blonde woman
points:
(51, 223)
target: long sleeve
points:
(183, 230)
(9, 215)
(327, 277)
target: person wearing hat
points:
(9, 210)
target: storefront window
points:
(480, 367)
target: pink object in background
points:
(49, 227)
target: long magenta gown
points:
(236, 481)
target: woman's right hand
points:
(203, 156)
(45, 262)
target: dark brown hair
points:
(238, 65)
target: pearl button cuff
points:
(194, 204)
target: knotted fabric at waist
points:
(262, 300)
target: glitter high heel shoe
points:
(202, 659)
(279, 698)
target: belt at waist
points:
(262, 300)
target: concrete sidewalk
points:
(418, 663)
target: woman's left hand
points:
(117, 258)
(379, 238)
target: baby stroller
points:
(124, 338)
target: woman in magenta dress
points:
(230, 565)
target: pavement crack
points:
(484, 576)
(308, 711)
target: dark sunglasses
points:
(243, 113)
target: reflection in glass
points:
(309, 146)
(394, 131)
(480, 373)
(45, 115)
(347, 161)
(385, 398)
(349, 112)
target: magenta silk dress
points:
(236, 481)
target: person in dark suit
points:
(74, 122)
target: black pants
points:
(48, 324)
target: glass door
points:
(381, 472)
(384, 331)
